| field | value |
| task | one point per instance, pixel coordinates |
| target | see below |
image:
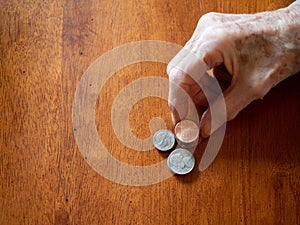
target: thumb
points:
(225, 108)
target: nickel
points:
(181, 161)
(163, 140)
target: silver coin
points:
(181, 161)
(163, 140)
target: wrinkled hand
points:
(249, 54)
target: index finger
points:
(184, 70)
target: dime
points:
(181, 161)
(163, 140)
(187, 133)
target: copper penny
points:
(187, 133)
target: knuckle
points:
(208, 31)
(174, 73)
(209, 52)
(207, 57)
(209, 17)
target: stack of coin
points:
(181, 160)
(187, 133)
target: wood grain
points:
(46, 46)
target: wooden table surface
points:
(46, 46)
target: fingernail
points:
(173, 119)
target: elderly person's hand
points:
(249, 54)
